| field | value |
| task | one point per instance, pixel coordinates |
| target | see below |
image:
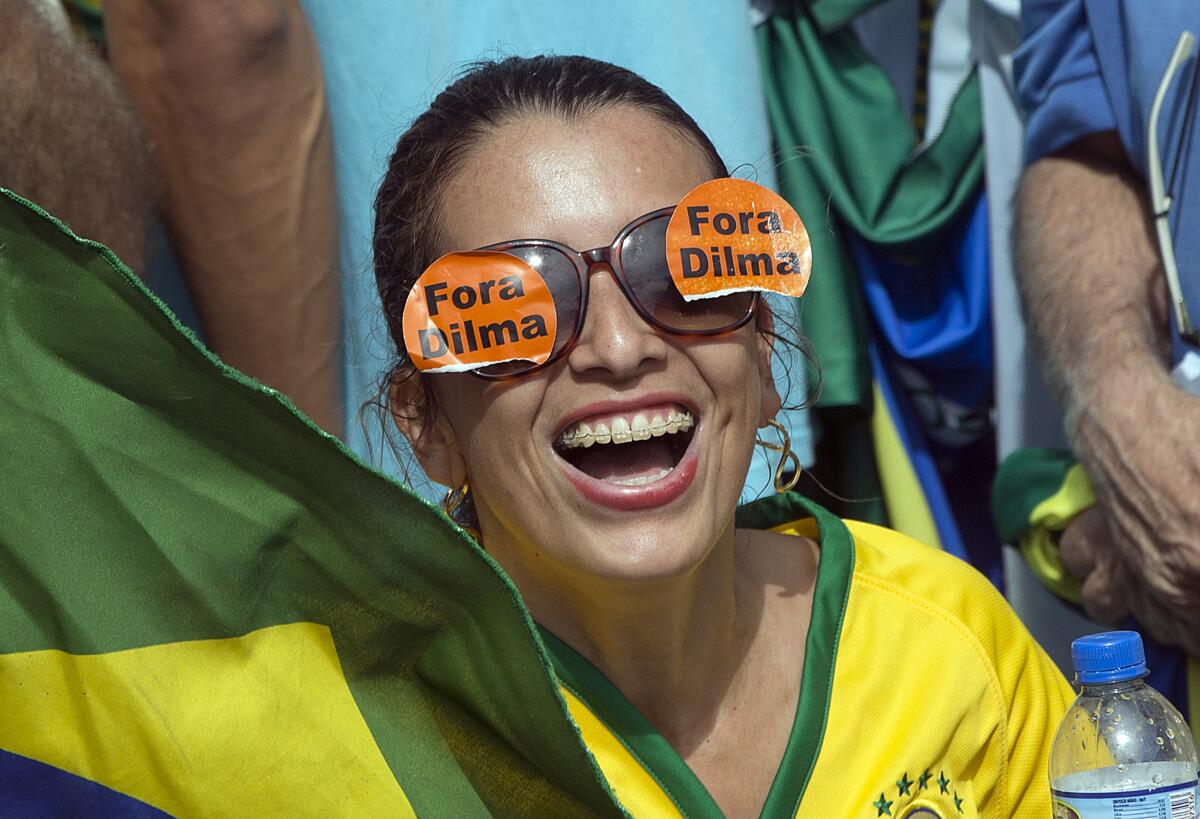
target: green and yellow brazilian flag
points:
(210, 608)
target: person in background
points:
(1095, 298)
(233, 101)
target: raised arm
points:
(232, 96)
(1095, 301)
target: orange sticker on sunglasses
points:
(472, 310)
(729, 235)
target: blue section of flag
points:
(933, 310)
(931, 353)
(34, 790)
(922, 462)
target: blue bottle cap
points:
(1113, 656)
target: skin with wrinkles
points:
(233, 100)
(1094, 296)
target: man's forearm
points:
(69, 139)
(1091, 285)
(233, 98)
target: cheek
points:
(731, 368)
(492, 421)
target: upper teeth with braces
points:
(620, 431)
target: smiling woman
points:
(716, 660)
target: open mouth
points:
(629, 449)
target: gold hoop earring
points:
(782, 486)
(453, 500)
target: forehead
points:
(577, 182)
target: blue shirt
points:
(1087, 66)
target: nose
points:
(614, 341)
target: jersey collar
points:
(830, 596)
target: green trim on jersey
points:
(651, 749)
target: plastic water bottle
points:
(1122, 751)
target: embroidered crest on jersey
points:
(921, 812)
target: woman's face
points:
(637, 510)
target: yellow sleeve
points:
(1038, 697)
(1002, 707)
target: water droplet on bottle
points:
(1116, 719)
(1171, 733)
(1150, 720)
(1157, 779)
(1108, 711)
(1159, 740)
(1121, 768)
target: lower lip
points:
(632, 498)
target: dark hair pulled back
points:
(487, 95)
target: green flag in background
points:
(849, 159)
(210, 608)
(851, 163)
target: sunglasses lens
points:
(644, 259)
(561, 277)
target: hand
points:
(1140, 550)
(1111, 589)
(1089, 552)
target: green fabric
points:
(830, 596)
(1025, 479)
(830, 15)
(88, 14)
(153, 494)
(845, 473)
(847, 160)
(1035, 496)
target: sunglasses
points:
(637, 259)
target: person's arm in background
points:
(69, 139)
(232, 97)
(1095, 301)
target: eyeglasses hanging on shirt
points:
(1164, 193)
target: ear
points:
(428, 431)
(769, 400)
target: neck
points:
(671, 646)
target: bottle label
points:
(1173, 802)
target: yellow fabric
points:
(635, 788)
(936, 680)
(1074, 496)
(907, 508)
(1040, 546)
(936, 675)
(132, 721)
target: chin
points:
(651, 552)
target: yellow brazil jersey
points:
(923, 696)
